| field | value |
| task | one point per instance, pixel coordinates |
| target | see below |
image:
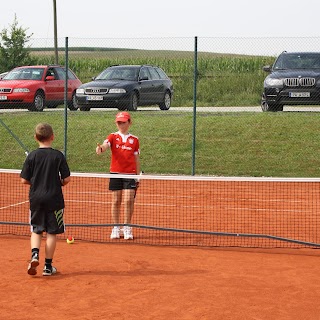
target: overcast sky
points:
(165, 18)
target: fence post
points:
(195, 79)
(66, 98)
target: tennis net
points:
(182, 210)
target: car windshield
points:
(298, 61)
(24, 74)
(119, 74)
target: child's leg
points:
(128, 211)
(50, 245)
(115, 212)
(115, 207)
(51, 242)
(35, 240)
(128, 204)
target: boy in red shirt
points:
(124, 160)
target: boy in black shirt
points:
(45, 170)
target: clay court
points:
(114, 281)
(171, 277)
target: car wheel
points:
(134, 101)
(38, 102)
(73, 106)
(84, 108)
(268, 107)
(166, 103)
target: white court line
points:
(13, 205)
(196, 207)
(86, 201)
(192, 197)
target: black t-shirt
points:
(44, 168)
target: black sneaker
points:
(49, 271)
(32, 267)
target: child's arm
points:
(65, 181)
(137, 159)
(102, 147)
(24, 181)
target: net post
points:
(66, 98)
(195, 79)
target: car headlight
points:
(117, 90)
(272, 82)
(80, 91)
(21, 90)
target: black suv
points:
(126, 87)
(294, 79)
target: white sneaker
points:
(127, 233)
(49, 272)
(32, 268)
(115, 234)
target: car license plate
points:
(299, 94)
(3, 97)
(95, 98)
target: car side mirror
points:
(143, 78)
(266, 68)
(49, 78)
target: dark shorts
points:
(47, 221)
(121, 183)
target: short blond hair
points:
(43, 132)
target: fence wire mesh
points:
(232, 136)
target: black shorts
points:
(122, 183)
(47, 221)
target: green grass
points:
(231, 144)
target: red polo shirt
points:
(123, 151)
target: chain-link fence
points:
(200, 133)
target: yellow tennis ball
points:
(70, 240)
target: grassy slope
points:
(237, 144)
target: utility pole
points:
(55, 32)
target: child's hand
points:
(99, 149)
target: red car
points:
(35, 87)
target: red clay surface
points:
(114, 281)
(279, 209)
(138, 281)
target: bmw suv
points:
(294, 79)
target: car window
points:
(115, 73)
(25, 74)
(71, 75)
(154, 74)
(37, 74)
(144, 73)
(50, 72)
(105, 74)
(129, 74)
(298, 61)
(161, 73)
(61, 75)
